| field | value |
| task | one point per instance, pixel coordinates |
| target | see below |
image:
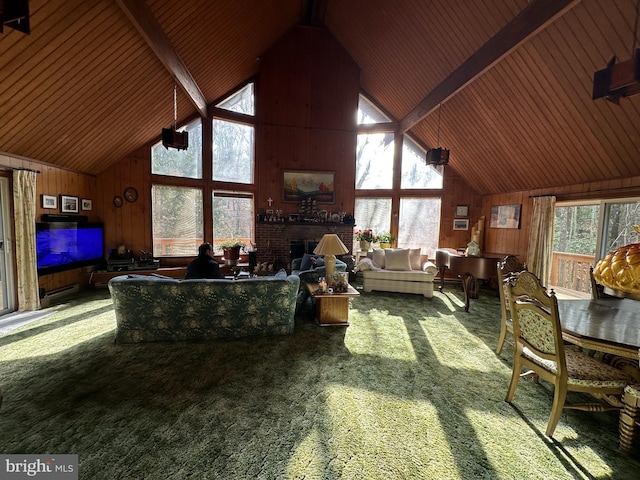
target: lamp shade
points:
(330, 244)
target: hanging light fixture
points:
(438, 155)
(620, 79)
(170, 136)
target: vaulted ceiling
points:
(508, 82)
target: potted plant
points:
(385, 240)
(365, 237)
(231, 250)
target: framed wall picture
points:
(299, 185)
(49, 201)
(69, 204)
(505, 216)
(87, 204)
(462, 211)
(461, 224)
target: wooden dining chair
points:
(540, 348)
(507, 267)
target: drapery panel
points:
(24, 204)
(540, 253)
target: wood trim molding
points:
(142, 18)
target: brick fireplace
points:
(274, 239)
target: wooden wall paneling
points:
(281, 148)
(334, 79)
(285, 83)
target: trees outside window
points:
(180, 163)
(176, 220)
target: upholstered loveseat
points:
(151, 308)
(397, 270)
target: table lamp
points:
(330, 245)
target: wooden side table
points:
(332, 309)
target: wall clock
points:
(117, 201)
(130, 194)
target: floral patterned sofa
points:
(154, 308)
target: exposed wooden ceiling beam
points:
(533, 18)
(142, 18)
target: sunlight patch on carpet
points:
(377, 435)
(58, 339)
(385, 334)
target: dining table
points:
(609, 325)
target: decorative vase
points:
(365, 246)
(385, 245)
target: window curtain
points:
(24, 205)
(541, 238)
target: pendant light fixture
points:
(170, 136)
(620, 79)
(438, 155)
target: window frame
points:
(206, 183)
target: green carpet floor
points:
(411, 390)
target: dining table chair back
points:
(540, 348)
(507, 268)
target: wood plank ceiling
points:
(84, 89)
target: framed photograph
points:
(461, 224)
(49, 201)
(87, 204)
(299, 185)
(462, 211)
(69, 204)
(505, 216)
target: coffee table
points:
(332, 309)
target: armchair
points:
(539, 347)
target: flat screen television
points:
(65, 245)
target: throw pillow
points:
(282, 273)
(319, 261)
(414, 258)
(378, 257)
(397, 259)
(306, 262)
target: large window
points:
(179, 206)
(176, 220)
(419, 224)
(584, 232)
(415, 171)
(374, 161)
(618, 219)
(374, 213)
(401, 209)
(180, 163)
(233, 217)
(232, 152)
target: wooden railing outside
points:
(167, 247)
(570, 270)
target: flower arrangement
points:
(233, 243)
(385, 238)
(365, 235)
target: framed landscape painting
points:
(299, 185)
(505, 216)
